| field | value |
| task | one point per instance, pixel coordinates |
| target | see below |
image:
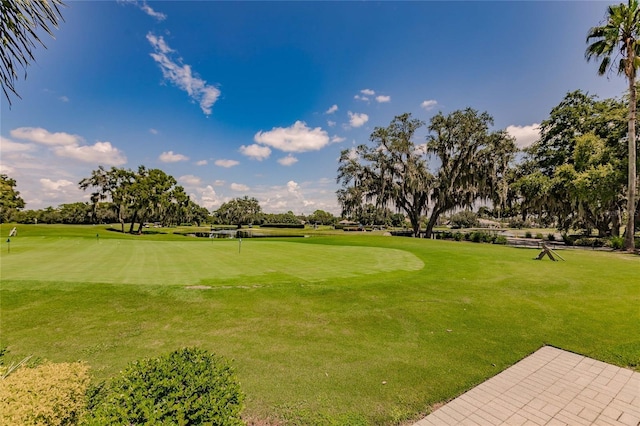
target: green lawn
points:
(334, 329)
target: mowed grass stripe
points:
(192, 262)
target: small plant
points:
(567, 239)
(539, 236)
(551, 236)
(187, 386)
(500, 239)
(616, 243)
(528, 234)
(51, 394)
(589, 242)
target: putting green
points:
(192, 262)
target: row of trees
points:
(573, 177)
(393, 171)
(145, 195)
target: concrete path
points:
(549, 387)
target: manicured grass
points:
(345, 329)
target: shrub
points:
(616, 243)
(500, 239)
(187, 386)
(464, 219)
(567, 239)
(457, 236)
(539, 236)
(283, 225)
(589, 242)
(551, 236)
(528, 234)
(51, 394)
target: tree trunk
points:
(435, 214)
(631, 196)
(133, 221)
(415, 224)
(615, 224)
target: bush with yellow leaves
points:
(50, 394)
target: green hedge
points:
(283, 225)
(188, 386)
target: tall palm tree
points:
(619, 38)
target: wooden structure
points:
(546, 251)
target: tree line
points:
(572, 178)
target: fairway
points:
(326, 330)
(191, 262)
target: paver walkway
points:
(549, 387)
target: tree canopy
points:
(148, 195)
(394, 170)
(239, 211)
(10, 200)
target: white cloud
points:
(99, 153)
(428, 104)
(64, 99)
(226, 163)
(44, 137)
(353, 153)
(239, 187)
(337, 139)
(54, 192)
(381, 99)
(170, 157)
(149, 11)
(50, 185)
(288, 160)
(368, 92)
(153, 131)
(296, 138)
(332, 109)
(182, 76)
(189, 180)
(331, 123)
(361, 98)
(206, 197)
(524, 135)
(7, 145)
(357, 119)
(219, 182)
(293, 187)
(201, 163)
(256, 151)
(143, 6)
(6, 170)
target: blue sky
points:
(259, 98)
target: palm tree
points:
(20, 23)
(619, 37)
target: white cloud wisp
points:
(182, 76)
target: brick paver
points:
(549, 387)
